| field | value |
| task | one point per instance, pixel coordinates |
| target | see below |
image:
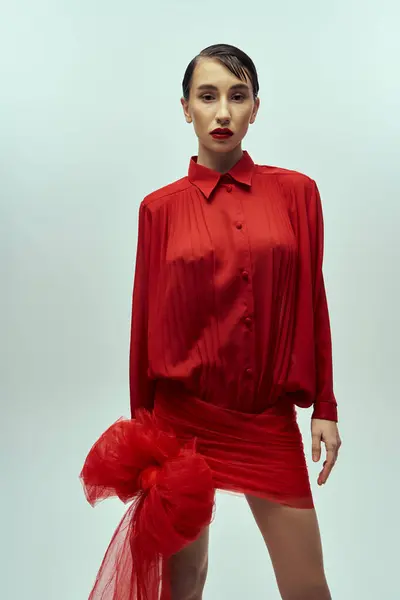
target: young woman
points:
(230, 332)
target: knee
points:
(188, 583)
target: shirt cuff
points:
(325, 410)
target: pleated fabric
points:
(230, 333)
(229, 296)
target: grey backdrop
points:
(90, 123)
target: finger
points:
(324, 474)
(327, 468)
(316, 447)
(331, 456)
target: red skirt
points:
(258, 454)
(169, 464)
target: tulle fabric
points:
(169, 463)
(173, 496)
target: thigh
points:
(293, 540)
(188, 569)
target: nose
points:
(223, 115)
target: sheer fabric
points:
(169, 463)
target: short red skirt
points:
(256, 454)
(169, 463)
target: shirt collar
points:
(207, 179)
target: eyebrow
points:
(237, 86)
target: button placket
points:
(247, 320)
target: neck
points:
(220, 162)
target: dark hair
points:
(237, 61)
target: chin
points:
(220, 146)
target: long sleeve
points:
(141, 386)
(325, 405)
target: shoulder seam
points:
(284, 171)
(147, 200)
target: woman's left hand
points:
(327, 432)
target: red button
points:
(229, 188)
(249, 372)
(245, 274)
(248, 321)
(239, 226)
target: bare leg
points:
(293, 540)
(188, 570)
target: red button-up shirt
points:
(229, 296)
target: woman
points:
(230, 327)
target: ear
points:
(255, 111)
(185, 105)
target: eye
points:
(237, 97)
(205, 96)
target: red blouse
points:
(229, 296)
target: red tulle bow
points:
(172, 490)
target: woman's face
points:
(219, 99)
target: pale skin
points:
(291, 535)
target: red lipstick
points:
(221, 133)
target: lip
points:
(222, 132)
